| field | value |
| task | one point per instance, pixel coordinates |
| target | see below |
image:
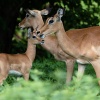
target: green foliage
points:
(48, 67)
(80, 13)
(45, 90)
(19, 46)
(47, 82)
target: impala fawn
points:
(81, 44)
(51, 44)
(19, 63)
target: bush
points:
(38, 89)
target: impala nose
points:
(42, 42)
(42, 36)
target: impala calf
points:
(51, 44)
(81, 44)
(18, 63)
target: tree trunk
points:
(9, 10)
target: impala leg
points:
(3, 72)
(25, 71)
(96, 66)
(70, 67)
(2, 78)
(81, 69)
(26, 76)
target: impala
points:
(51, 43)
(19, 63)
(81, 44)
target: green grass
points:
(47, 82)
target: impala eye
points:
(38, 32)
(34, 36)
(27, 15)
(42, 40)
(51, 21)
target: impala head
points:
(52, 25)
(33, 18)
(33, 38)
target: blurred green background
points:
(47, 77)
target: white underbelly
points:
(80, 61)
(15, 72)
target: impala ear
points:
(32, 12)
(44, 12)
(60, 12)
(29, 32)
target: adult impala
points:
(19, 63)
(51, 44)
(81, 44)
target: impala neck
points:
(66, 43)
(31, 51)
(50, 43)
